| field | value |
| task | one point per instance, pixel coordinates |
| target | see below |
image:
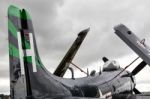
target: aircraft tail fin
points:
(28, 76)
(14, 26)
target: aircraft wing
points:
(64, 64)
(136, 44)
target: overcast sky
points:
(57, 23)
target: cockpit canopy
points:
(111, 66)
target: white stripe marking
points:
(30, 52)
(20, 52)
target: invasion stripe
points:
(13, 51)
(38, 62)
(25, 15)
(13, 34)
(16, 21)
(14, 11)
(12, 28)
(30, 26)
(28, 59)
(26, 44)
(13, 40)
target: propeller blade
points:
(139, 68)
(136, 91)
(133, 79)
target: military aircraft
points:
(29, 79)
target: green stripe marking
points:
(12, 28)
(14, 11)
(13, 51)
(38, 62)
(25, 15)
(26, 43)
(28, 59)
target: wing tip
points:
(118, 26)
(85, 31)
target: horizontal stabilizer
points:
(136, 91)
(139, 68)
(136, 70)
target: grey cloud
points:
(102, 16)
(57, 22)
(4, 73)
(4, 90)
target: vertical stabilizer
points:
(16, 77)
(28, 77)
